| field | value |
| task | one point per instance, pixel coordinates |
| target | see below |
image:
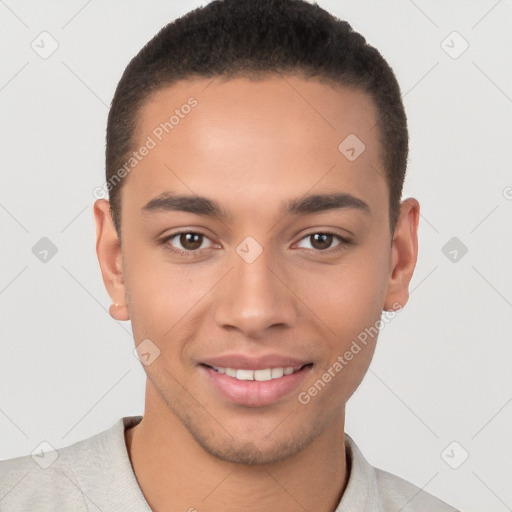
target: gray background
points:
(441, 372)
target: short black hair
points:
(254, 39)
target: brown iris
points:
(191, 241)
(321, 240)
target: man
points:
(256, 151)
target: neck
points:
(175, 473)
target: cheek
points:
(350, 309)
(348, 297)
(161, 295)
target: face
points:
(255, 250)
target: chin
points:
(250, 453)
(253, 451)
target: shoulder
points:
(27, 483)
(63, 477)
(370, 488)
(399, 494)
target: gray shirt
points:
(96, 474)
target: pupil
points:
(321, 240)
(191, 241)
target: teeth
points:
(259, 375)
(230, 372)
(262, 375)
(277, 372)
(245, 374)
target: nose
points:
(255, 297)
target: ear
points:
(108, 249)
(404, 253)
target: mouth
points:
(255, 387)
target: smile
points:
(254, 387)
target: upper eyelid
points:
(174, 235)
(342, 239)
(342, 242)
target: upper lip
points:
(247, 362)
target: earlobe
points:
(119, 312)
(404, 253)
(108, 250)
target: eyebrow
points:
(322, 202)
(200, 205)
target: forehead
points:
(237, 137)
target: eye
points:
(322, 241)
(187, 242)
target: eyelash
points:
(343, 242)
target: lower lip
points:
(252, 392)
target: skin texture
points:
(251, 146)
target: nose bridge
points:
(253, 298)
